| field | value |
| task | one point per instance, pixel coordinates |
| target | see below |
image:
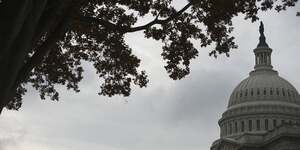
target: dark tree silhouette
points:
(43, 42)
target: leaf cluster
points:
(96, 29)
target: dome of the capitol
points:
(262, 86)
(261, 102)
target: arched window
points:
(266, 124)
(235, 127)
(257, 125)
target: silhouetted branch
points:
(113, 26)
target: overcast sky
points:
(167, 115)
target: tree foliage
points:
(68, 32)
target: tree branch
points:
(55, 31)
(124, 29)
(41, 52)
(158, 21)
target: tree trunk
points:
(18, 23)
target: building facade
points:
(263, 112)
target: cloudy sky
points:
(167, 115)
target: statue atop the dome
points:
(262, 38)
(261, 28)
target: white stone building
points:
(263, 111)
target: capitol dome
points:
(264, 85)
(261, 102)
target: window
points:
(235, 127)
(257, 125)
(251, 92)
(266, 124)
(250, 125)
(243, 126)
(265, 91)
(277, 91)
(230, 128)
(282, 121)
(283, 93)
(246, 93)
(258, 92)
(274, 123)
(271, 91)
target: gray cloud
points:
(169, 115)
